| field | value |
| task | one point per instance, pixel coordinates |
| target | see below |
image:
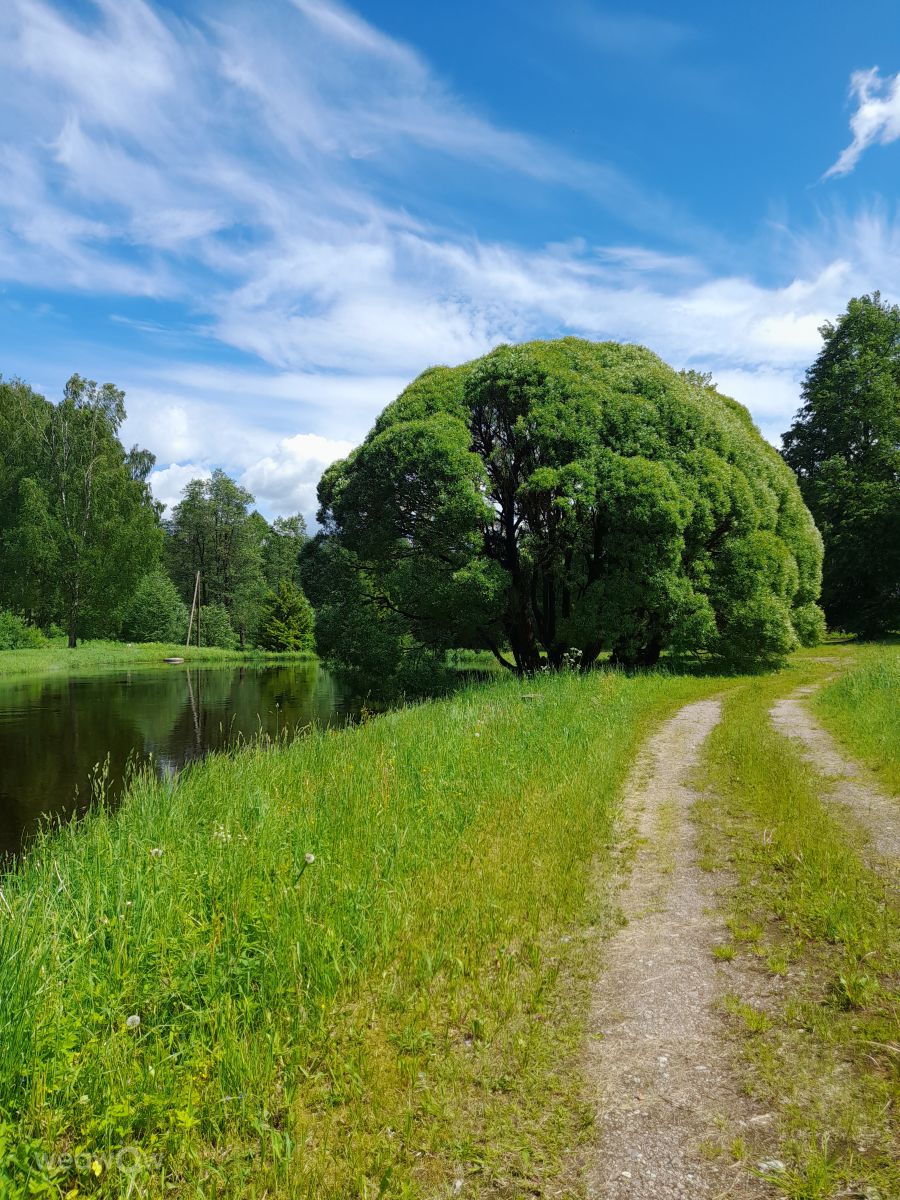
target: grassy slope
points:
(861, 707)
(824, 1057)
(403, 1013)
(98, 655)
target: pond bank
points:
(98, 655)
(65, 734)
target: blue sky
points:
(262, 219)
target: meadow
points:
(860, 709)
(179, 977)
(360, 963)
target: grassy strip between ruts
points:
(92, 656)
(823, 1051)
(400, 1015)
(861, 707)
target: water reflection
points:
(54, 730)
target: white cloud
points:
(285, 481)
(167, 483)
(282, 482)
(876, 119)
(258, 168)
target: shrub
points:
(156, 612)
(17, 634)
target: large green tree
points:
(553, 500)
(844, 445)
(23, 418)
(212, 530)
(283, 542)
(84, 526)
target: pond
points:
(55, 730)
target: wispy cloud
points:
(876, 119)
(260, 174)
(630, 34)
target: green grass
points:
(402, 1014)
(861, 707)
(824, 1054)
(93, 656)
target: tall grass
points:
(399, 1014)
(96, 655)
(826, 1056)
(862, 708)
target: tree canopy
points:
(286, 620)
(554, 500)
(79, 521)
(844, 445)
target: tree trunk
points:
(646, 656)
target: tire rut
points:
(658, 1056)
(878, 815)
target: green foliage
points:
(283, 542)
(845, 448)
(286, 620)
(79, 523)
(557, 497)
(17, 634)
(156, 612)
(216, 628)
(213, 531)
(23, 419)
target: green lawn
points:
(99, 655)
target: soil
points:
(875, 812)
(659, 1054)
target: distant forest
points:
(86, 552)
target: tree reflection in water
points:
(54, 731)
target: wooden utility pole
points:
(194, 605)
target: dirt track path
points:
(657, 1056)
(877, 813)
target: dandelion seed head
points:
(309, 858)
(156, 852)
(132, 1022)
